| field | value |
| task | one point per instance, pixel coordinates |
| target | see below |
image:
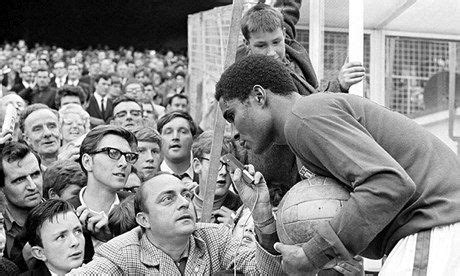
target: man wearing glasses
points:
(127, 112)
(225, 201)
(106, 156)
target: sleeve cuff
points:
(266, 241)
(325, 246)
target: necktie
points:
(181, 176)
(102, 107)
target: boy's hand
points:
(224, 216)
(351, 73)
(6, 137)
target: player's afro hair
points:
(239, 79)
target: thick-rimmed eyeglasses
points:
(222, 163)
(130, 157)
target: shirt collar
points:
(27, 84)
(165, 168)
(80, 196)
(99, 97)
(75, 82)
(9, 220)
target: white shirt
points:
(80, 196)
(60, 81)
(28, 85)
(95, 241)
(99, 99)
(74, 83)
(165, 168)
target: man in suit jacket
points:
(93, 71)
(42, 92)
(73, 79)
(60, 75)
(28, 77)
(100, 104)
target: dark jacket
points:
(45, 95)
(40, 270)
(93, 109)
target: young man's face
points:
(268, 43)
(178, 104)
(42, 133)
(127, 115)
(147, 109)
(169, 210)
(59, 69)
(149, 159)
(201, 167)
(177, 140)
(23, 182)
(27, 74)
(63, 243)
(74, 72)
(102, 86)
(109, 172)
(252, 121)
(42, 79)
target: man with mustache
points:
(169, 242)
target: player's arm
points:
(338, 144)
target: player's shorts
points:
(432, 252)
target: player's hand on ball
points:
(294, 262)
(254, 195)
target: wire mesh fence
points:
(417, 77)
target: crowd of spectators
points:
(148, 76)
(90, 128)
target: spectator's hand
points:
(255, 196)
(6, 137)
(96, 223)
(69, 152)
(294, 262)
(351, 73)
(224, 216)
